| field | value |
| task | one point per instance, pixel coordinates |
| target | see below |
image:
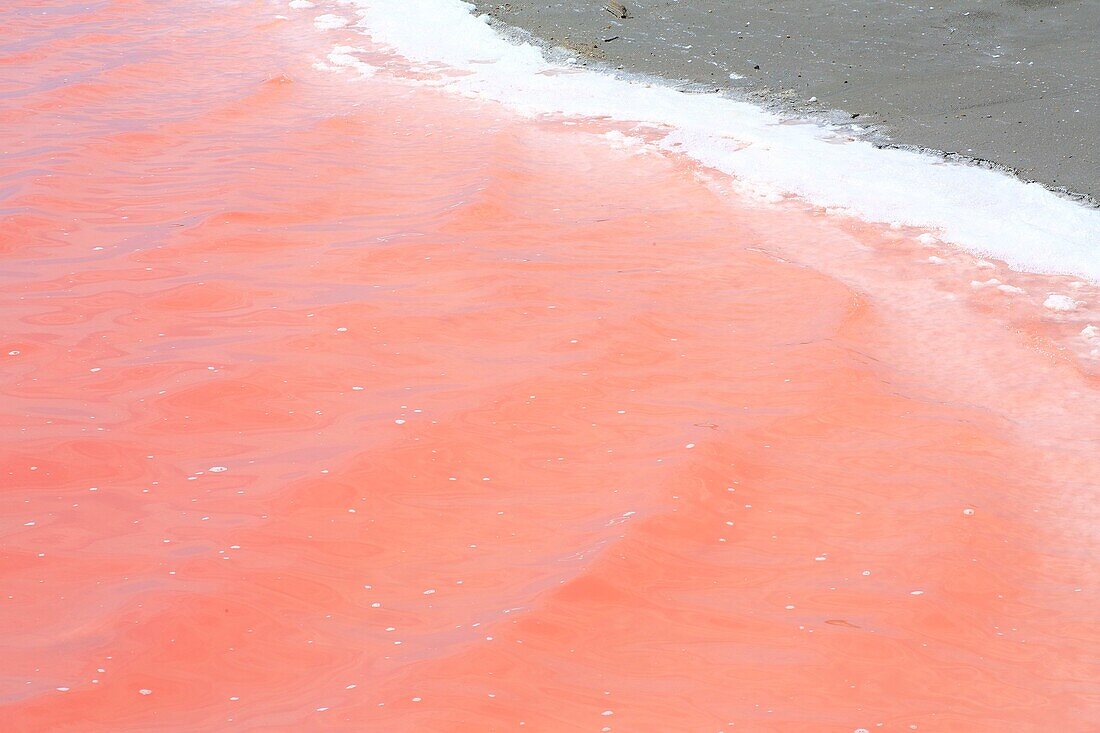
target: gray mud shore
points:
(1012, 82)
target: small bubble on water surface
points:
(145, 691)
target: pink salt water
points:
(336, 403)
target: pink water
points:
(334, 403)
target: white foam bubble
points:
(995, 283)
(328, 21)
(1062, 303)
(300, 4)
(985, 211)
(345, 57)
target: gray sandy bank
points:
(1014, 82)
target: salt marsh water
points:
(335, 400)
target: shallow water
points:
(336, 403)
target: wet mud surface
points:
(1015, 82)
